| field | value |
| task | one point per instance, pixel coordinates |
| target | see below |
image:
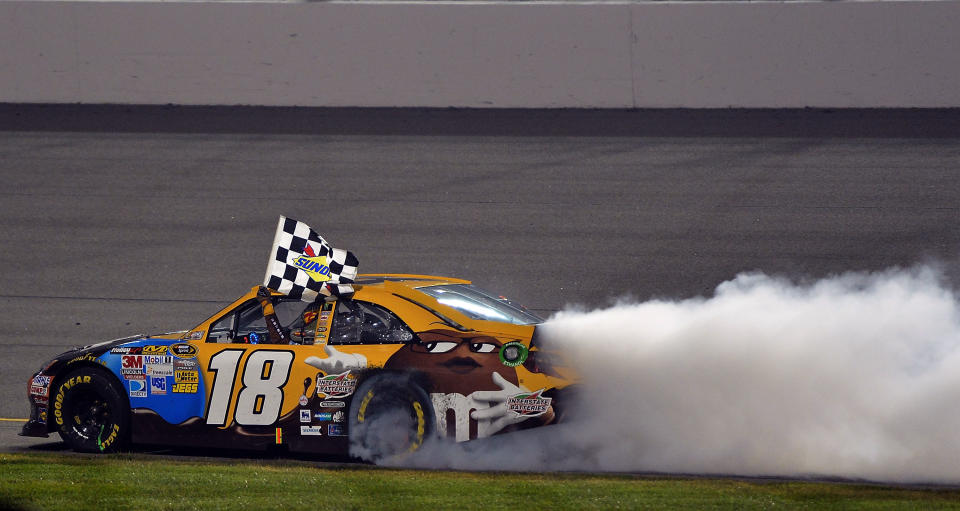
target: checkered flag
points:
(303, 265)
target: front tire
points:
(390, 416)
(90, 413)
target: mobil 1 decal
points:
(258, 400)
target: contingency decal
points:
(336, 386)
(530, 404)
(149, 370)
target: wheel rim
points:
(90, 415)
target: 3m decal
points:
(529, 404)
(337, 385)
(311, 430)
(258, 402)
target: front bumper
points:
(34, 428)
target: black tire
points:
(90, 413)
(390, 416)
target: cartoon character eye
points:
(482, 347)
(440, 346)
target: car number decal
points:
(258, 402)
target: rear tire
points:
(390, 416)
(90, 413)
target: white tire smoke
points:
(855, 376)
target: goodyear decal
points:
(58, 402)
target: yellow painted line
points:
(13, 420)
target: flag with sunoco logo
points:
(303, 265)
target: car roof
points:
(404, 279)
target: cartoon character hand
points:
(336, 361)
(496, 416)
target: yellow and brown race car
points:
(403, 359)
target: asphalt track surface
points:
(123, 220)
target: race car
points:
(402, 359)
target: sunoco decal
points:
(313, 265)
(336, 386)
(529, 405)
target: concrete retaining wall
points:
(607, 55)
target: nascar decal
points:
(530, 404)
(184, 350)
(336, 386)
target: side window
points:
(221, 331)
(247, 325)
(365, 323)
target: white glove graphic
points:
(496, 416)
(336, 361)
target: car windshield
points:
(476, 303)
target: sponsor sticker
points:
(513, 354)
(337, 385)
(304, 415)
(154, 349)
(323, 416)
(158, 386)
(338, 416)
(131, 365)
(138, 388)
(120, 350)
(529, 404)
(40, 386)
(42, 414)
(311, 430)
(186, 376)
(159, 366)
(303, 400)
(135, 376)
(332, 404)
(189, 364)
(195, 335)
(184, 388)
(159, 370)
(183, 350)
(335, 430)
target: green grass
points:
(144, 482)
